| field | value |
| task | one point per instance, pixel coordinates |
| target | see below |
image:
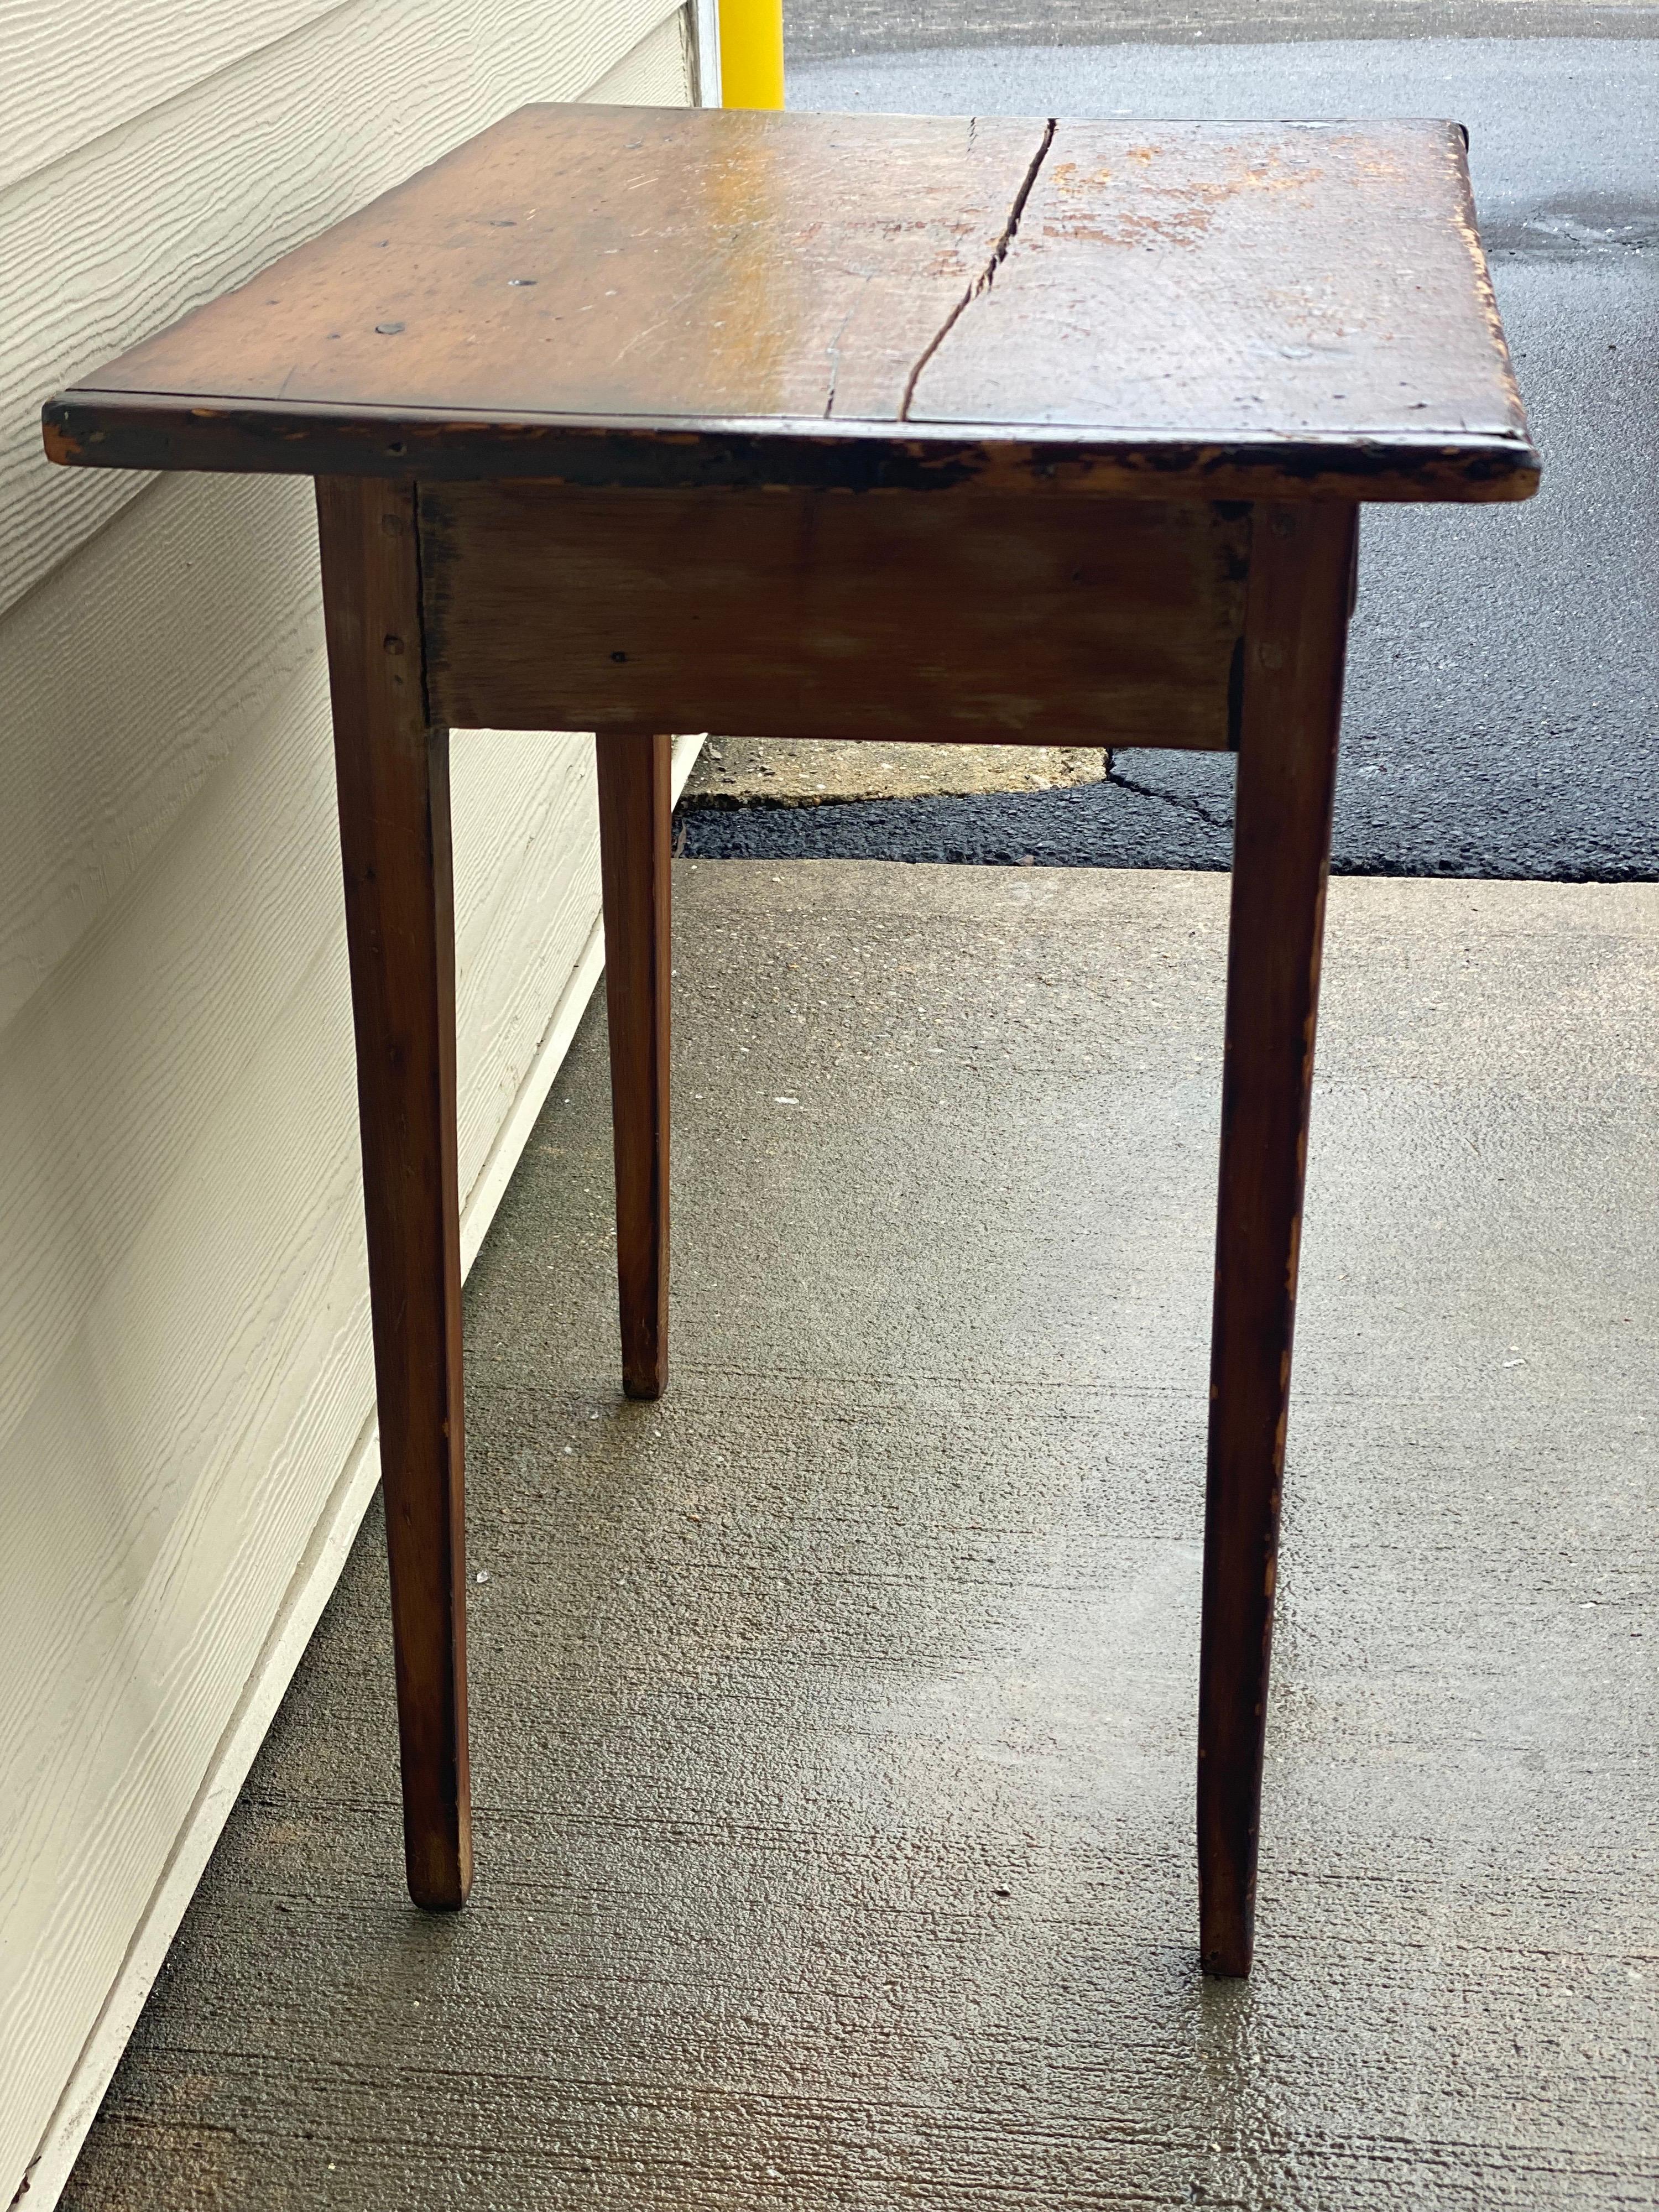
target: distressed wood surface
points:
(740, 297)
(816, 615)
(1301, 595)
(1288, 280)
(631, 262)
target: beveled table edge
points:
(86, 428)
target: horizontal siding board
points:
(215, 185)
(148, 51)
(185, 1368)
(151, 52)
(136, 1040)
(660, 72)
(123, 684)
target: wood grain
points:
(178, 204)
(1289, 281)
(817, 300)
(649, 261)
(1301, 587)
(391, 768)
(635, 808)
(819, 615)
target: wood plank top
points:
(642, 296)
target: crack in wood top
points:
(998, 252)
(864, 302)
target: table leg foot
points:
(392, 775)
(636, 807)
(1301, 571)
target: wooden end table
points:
(805, 426)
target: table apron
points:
(823, 614)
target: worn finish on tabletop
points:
(805, 615)
(1308, 280)
(634, 296)
(392, 776)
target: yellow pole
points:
(751, 53)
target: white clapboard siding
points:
(120, 239)
(186, 1435)
(125, 679)
(148, 52)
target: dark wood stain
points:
(790, 297)
(1301, 580)
(261, 439)
(392, 776)
(809, 616)
(635, 808)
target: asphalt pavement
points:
(1503, 664)
(832, 30)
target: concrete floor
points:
(834, 1728)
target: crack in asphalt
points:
(1180, 800)
(1563, 230)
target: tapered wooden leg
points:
(1299, 595)
(393, 772)
(635, 806)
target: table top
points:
(670, 295)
